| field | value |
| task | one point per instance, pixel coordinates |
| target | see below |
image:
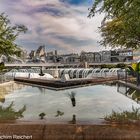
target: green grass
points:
(125, 116)
(8, 113)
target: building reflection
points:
(72, 97)
(73, 121)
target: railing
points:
(129, 92)
(128, 75)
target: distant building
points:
(73, 58)
(121, 55)
(37, 56)
(41, 51)
(32, 54)
(90, 57)
(50, 57)
(55, 53)
(106, 56)
(69, 58)
(64, 58)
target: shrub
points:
(8, 113)
(121, 65)
(125, 116)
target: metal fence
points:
(126, 76)
(129, 92)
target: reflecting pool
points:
(79, 105)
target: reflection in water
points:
(8, 113)
(85, 104)
(2, 99)
(72, 97)
(42, 115)
(73, 121)
(42, 90)
(129, 92)
(59, 113)
(8, 88)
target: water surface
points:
(79, 105)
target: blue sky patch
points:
(78, 2)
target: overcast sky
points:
(58, 24)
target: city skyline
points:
(58, 24)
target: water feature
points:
(28, 73)
(80, 105)
(113, 71)
(72, 72)
(94, 73)
(84, 73)
(78, 73)
(103, 72)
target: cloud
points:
(59, 24)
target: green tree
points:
(8, 35)
(121, 24)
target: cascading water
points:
(28, 73)
(78, 73)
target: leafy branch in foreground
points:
(8, 36)
(8, 113)
(125, 116)
(120, 26)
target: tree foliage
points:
(1, 66)
(8, 35)
(121, 24)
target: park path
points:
(70, 131)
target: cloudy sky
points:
(58, 24)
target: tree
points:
(121, 24)
(8, 35)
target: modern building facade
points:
(119, 55)
(90, 57)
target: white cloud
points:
(44, 27)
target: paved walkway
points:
(69, 132)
